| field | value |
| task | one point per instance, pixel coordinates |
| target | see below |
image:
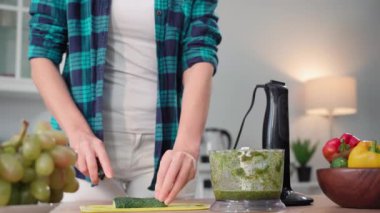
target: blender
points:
(247, 180)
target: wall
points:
(14, 109)
(294, 41)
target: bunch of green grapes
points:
(36, 167)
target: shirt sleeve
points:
(202, 36)
(48, 30)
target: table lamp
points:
(331, 96)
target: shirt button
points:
(158, 12)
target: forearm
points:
(195, 104)
(55, 94)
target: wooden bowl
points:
(351, 188)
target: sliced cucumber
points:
(130, 202)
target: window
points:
(14, 18)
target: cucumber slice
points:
(130, 202)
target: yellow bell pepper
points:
(365, 155)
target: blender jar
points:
(247, 180)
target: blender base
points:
(247, 205)
(292, 198)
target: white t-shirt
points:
(130, 78)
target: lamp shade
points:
(331, 96)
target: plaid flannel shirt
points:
(186, 33)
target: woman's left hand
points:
(177, 168)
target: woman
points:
(137, 76)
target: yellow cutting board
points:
(171, 207)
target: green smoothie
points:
(246, 195)
(247, 174)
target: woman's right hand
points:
(55, 94)
(88, 148)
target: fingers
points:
(81, 164)
(87, 152)
(181, 180)
(176, 169)
(164, 166)
(92, 167)
(104, 160)
(170, 177)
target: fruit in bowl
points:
(351, 187)
(353, 181)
